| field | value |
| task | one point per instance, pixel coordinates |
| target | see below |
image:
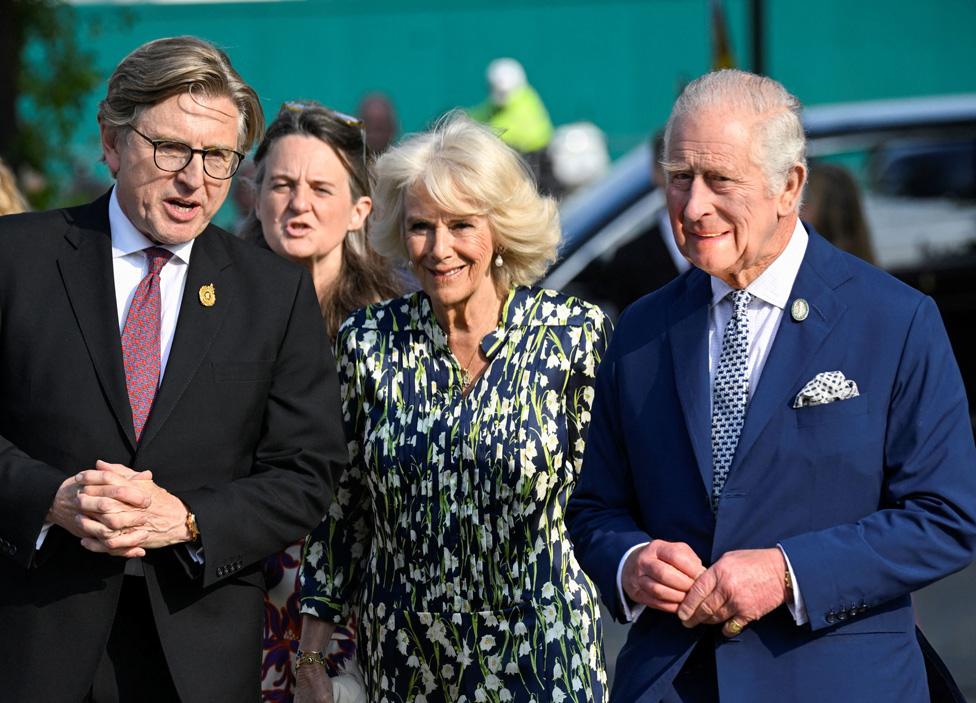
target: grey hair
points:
(780, 143)
(467, 169)
(166, 67)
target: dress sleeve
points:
(335, 551)
(588, 350)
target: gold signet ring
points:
(208, 296)
(733, 627)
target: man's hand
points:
(660, 573)
(118, 526)
(742, 586)
(313, 685)
(105, 493)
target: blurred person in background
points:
(517, 114)
(780, 450)
(579, 155)
(11, 199)
(312, 202)
(242, 194)
(169, 412)
(832, 203)
(380, 122)
(642, 263)
(467, 405)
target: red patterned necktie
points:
(140, 340)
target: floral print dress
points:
(447, 530)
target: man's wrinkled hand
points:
(103, 493)
(742, 586)
(660, 573)
(156, 522)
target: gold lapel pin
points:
(208, 296)
(800, 309)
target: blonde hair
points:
(780, 143)
(11, 200)
(463, 166)
(163, 68)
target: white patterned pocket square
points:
(826, 387)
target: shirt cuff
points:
(631, 612)
(196, 553)
(42, 536)
(797, 608)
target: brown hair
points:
(163, 68)
(364, 277)
(833, 207)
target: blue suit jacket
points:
(871, 498)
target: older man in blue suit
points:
(780, 450)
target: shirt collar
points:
(126, 239)
(773, 285)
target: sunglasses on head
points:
(299, 106)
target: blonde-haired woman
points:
(466, 407)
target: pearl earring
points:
(499, 260)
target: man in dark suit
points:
(168, 408)
(780, 450)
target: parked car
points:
(915, 160)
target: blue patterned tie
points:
(730, 392)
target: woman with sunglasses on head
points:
(466, 407)
(312, 205)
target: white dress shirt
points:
(771, 293)
(129, 267)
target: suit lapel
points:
(796, 343)
(86, 271)
(196, 326)
(688, 321)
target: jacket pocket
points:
(837, 411)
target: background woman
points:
(312, 205)
(466, 407)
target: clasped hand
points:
(116, 510)
(669, 576)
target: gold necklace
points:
(465, 368)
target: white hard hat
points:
(504, 76)
(579, 154)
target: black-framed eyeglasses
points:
(175, 156)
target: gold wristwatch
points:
(191, 526)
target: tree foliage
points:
(45, 76)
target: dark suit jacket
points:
(871, 497)
(244, 429)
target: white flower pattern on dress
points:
(448, 527)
